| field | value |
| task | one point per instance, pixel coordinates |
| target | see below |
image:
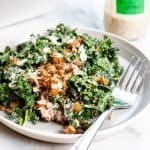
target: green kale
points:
(5, 56)
(24, 90)
(22, 115)
(5, 94)
(63, 33)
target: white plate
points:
(50, 132)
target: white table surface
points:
(136, 136)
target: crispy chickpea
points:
(14, 61)
(14, 104)
(61, 72)
(69, 130)
(51, 69)
(76, 107)
(58, 60)
(53, 92)
(97, 47)
(76, 43)
(102, 80)
(64, 84)
(105, 81)
(78, 62)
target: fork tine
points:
(133, 73)
(137, 84)
(137, 77)
(121, 81)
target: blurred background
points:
(20, 18)
(69, 11)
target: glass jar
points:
(127, 18)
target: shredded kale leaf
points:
(5, 93)
(22, 115)
(24, 90)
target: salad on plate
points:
(62, 76)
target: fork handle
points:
(85, 140)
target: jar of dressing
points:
(127, 18)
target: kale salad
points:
(61, 76)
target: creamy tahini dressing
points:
(130, 26)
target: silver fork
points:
(126, 92)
